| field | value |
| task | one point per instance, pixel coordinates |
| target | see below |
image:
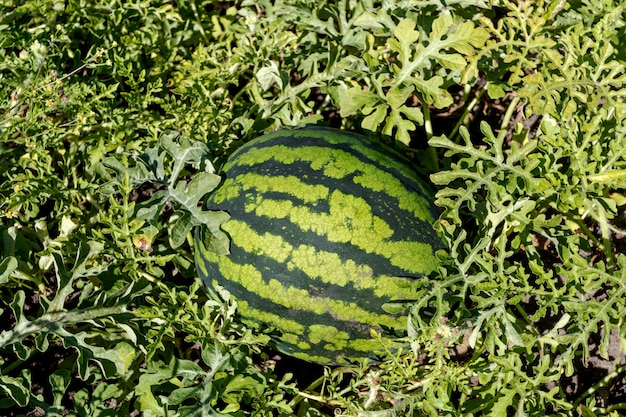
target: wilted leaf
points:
(268, 76)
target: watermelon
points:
(328, 232)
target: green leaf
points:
(7, 266)
(587, 412)
(193, 384)
(268, 76)
(144, 171)
(354, 99)
(610, 176)
(122, 355)
(441, 25)
(59, 381)
(413, 113)
(17, 388)
(146, 400)
(512, 336)
(67, 227)
(187, 197)
(496, 90)
(454, 62)
(466, 37)
(214, 241)
(431, 91)
(204, 397)
(402, 126)
(502, 404)
(369, 20)
(446, 34)
(214, 356)
(397, 97)
(184, 152)
(406, 36)
(375, 118)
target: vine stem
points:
(302, 394)
(463, 120)
(428, 125)
(509, 114)
(603, 382)
(55, 320)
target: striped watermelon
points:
(328, 229)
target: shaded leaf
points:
(7, 266)
(18, 389)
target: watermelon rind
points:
(327, 228)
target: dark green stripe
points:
(246, 195)
(272, 212)
(295, 322)
(292, 298)
(369, 152)
(350, 220)
(336, 165)
(315, 266)
(294, 187)
(371, 188)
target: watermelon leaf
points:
(183, 153)
(7, 266)
(189, 213)
(399, 61)
(162, 166)
(18, 389)
(400, 87)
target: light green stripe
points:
(350, 220)
(295, 340)
(200, 258)
(234, 187)
(312, 358)
(335, 339)
(327, 267)
(299, 299)
(336, 163)
(281, 323)
(365, 345)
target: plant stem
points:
(509, 113)
(55, 320)
(603, 382)
(428, 126)
(604, 246)
(463, 120)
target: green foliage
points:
(115, 118)
(412, 63)
(150, 168)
